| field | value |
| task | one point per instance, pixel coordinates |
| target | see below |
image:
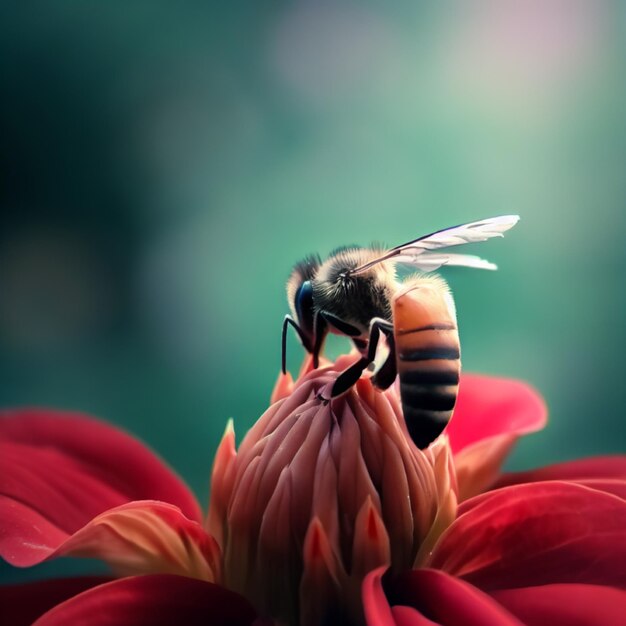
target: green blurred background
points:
(163, 165)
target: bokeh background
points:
(163, 165)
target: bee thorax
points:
(354, 299)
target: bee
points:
(355, 293)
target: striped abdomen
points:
(427, 356)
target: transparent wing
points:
(430, 261)
(466, 233)
(413, 251)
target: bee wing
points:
(429, 261)
(413, 251)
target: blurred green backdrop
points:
(164, 164)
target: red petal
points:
(153, 601)
(615, 487)
(136, 538)
(375, 605)
(146, 537)
(478, 465)
(541, 533)
(25, 536)
(448, 601)
(23, 604)
(611, 467)
(566, 605)
(407, 616)
(59, 470)
(425, 597)
(489, 406)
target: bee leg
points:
(286, 322)
(348, 377)
(320, 330)
(385, 376)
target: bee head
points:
(354, 299)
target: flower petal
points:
(60, 470)
(67, 454)
(490, 414)
(408, 616)
(222, 478)
(534, 534)
(478, 465)
(424, 596)
(283, 387)
(597, 467)
(136, 538)
(371, 541)
(312, 485)
(321, 583)
(448, 601)
(614, 487)
(566, 605)
(23, 604)
(488, 406)
(153, 601)
(146, 537)
(26, 537)
(375, 603)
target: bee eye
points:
(304, 304)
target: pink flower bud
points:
(320, 493)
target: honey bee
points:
(355, 292)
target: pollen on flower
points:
(319, 494)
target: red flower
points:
(316, 497)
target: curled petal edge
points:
(135, 538)
(414, 595)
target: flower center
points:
(321, 493)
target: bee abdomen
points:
(447, 376)
(427, 406)
(425, 426)
(428, 397)
(428, 358)
(429, 353)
